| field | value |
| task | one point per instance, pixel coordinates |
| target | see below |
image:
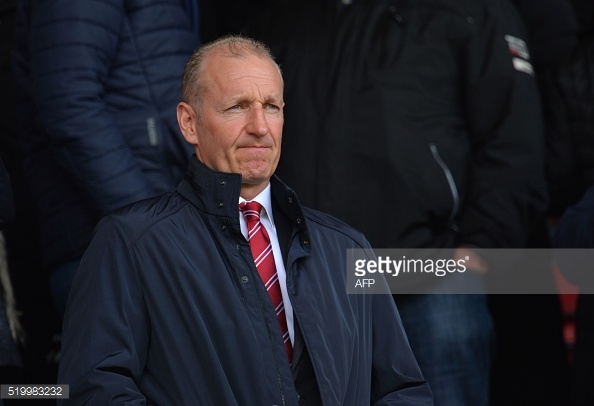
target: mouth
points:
(255, 148)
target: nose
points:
(257, 124)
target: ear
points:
(186, 118)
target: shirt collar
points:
(265, 199)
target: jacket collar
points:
(217, 193)
(213, 192)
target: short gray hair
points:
(236, 46)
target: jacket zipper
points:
(451, 182)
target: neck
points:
(249, 191)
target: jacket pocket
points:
(451, 183)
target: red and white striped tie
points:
(264, 260)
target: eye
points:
(273, 107)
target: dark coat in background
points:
(418, 122)
(35, 314)
(414, 132)
(569, 90)
(562, 34)
(6, 122)
(6, 200)
(97, 87)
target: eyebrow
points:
(239, 99)
(273, 100)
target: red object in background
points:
(568, 304)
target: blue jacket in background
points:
(98, 82)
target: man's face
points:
(239, 125)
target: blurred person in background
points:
(97, 84)
(32, 305)
(568, 88)
(419, 123)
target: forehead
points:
(239, 72)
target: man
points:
(168, 306)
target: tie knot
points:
(250, 209)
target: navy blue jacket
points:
(167, 308)
(98, 82)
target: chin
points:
(255, 178)
(255, 174)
